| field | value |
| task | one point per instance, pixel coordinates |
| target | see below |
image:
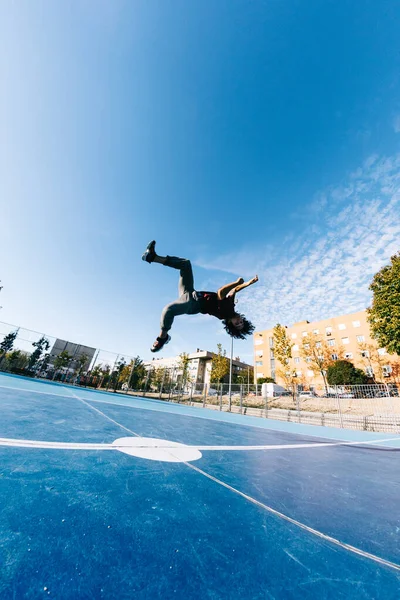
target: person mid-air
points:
(220, 304)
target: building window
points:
(331, 342)
(334, 356)
(298, 373)
(304, 333)
(310, 373)
(348, 355)
(345, 341)
(328, 330)
(258, 342)
(381, 351)
(271, 342)
(271, 354)
(360, 338)
(259, 363)
(294, 336)
(316, 331)
(387, 369)
(295, 347)
(297, 360)
(259, 352)
(356, 324)
(365, 353)
(318, 344)
(308, 359)
(306, 346)
(369, 371)
(342, 326)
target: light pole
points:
(230, 376)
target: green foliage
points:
(183, 366)
(265, 380)
(343, 372)
(16, 360)
(282, 345)
(384, 314)
(219, 365)
(283, 353)
(82, 362)
(138, 375)
(318, 354)
(8, 342)
(62, 360)
(41, 346)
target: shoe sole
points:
(164, 344)
(148, 251)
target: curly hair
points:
(239, 334)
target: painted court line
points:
(328, 538)
(102, 414)
(165, 445)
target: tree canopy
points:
(384, 314)
(343, 372)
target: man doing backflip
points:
(220, 304)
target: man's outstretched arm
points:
(243, 285)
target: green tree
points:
(82, 361)
(16, 360)
(138, 374)
(7, 344)
(265, 380)
(318, 355)
(343, 372)
(219, 365)
(61, 361)
(183, 366)
(384, 314)
(41, 346)
(283, 353)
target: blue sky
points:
(249, 136)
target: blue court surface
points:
(109, 496)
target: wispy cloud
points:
(350, 233)
(396, 123)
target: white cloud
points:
(396, 123)
(312, 277)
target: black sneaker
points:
(160, 343)
(149, 254)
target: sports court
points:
(109, 496)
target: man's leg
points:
(185, 305)
(186, 281)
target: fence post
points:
(339, 409)
(241, 398)
(296, 391)
(204, 395)
(191, 394)
(220, 396)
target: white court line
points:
(328, 538)
(103, 414)
(21, 443)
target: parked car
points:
(308, 395)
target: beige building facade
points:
(200, 364)
(347, 336)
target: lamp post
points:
(230, 376)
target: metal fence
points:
(366, 407)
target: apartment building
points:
(348, 336)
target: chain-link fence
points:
(368, 407)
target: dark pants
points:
(185, 304)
